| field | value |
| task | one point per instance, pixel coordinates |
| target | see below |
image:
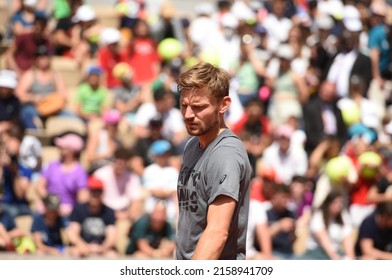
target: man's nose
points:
(188, 113)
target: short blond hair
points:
(205, 75)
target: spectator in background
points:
(301, 197)
(152, 236)
(35, 85)
(22, 21)
(109, 55)
(375, 234)
(142, 54)
(103, 141)
(322, 118)
(173, 128)
(9, 104)
(15, 177)
(85, 34)
(122, 189)
(63, 35)
(91, 230)
(290, 90)
(281, 223)
(349, 60)
(66, 177)
(128, 97)
(160, 179)
(21, 53)
(258, 238)
(331, 231)
(254, 130)
(47, 228)
(286, 159)
(8, 231)
(92, 96)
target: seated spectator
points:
(8, 231)
(160, 179)
(23, 20)
(258, 238)
(21, 53)
(331, 231)
(253, 129)
(9, 104)
(122, 190)
(103, 141)
(66, 177)
(322, 118)
(86, 34)
(64, 38)
(173, 128)
(128, 97)
(91, 95)
(152, 236)
(142, 54)
(109, 55)
(286, 159)
(375, 234)
(15, 177)
(281, 222)
(142, 158)
(381, 191)
(36, 86)
(46, 228)
(91, 230)
(301, 197)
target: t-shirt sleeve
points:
(109, 218)
(367, 229)
(76, 215)
(223, 174)
(81, 182)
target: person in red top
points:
(368, 165)
(253, 128)
(110, 54)
(143, 56)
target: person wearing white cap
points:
(9, 103)
(110, 54)
(350, 60)
(88, 28)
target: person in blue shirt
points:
(8, 231)
(47, 228)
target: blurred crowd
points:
(93, 165)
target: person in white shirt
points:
(331, 231)
(288, 160)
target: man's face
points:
(200, 111)
(385, 221)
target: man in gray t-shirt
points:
(213, 185)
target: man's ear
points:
(225, 104)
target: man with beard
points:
(213, 185)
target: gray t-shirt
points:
(221, 169)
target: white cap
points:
(204, 8)
(352, 19)
(84, 13)
(285, 51)
(229, 20)
(110, 35)
(378, 8)
(30, 3)
(324, 22)
(8, 79)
